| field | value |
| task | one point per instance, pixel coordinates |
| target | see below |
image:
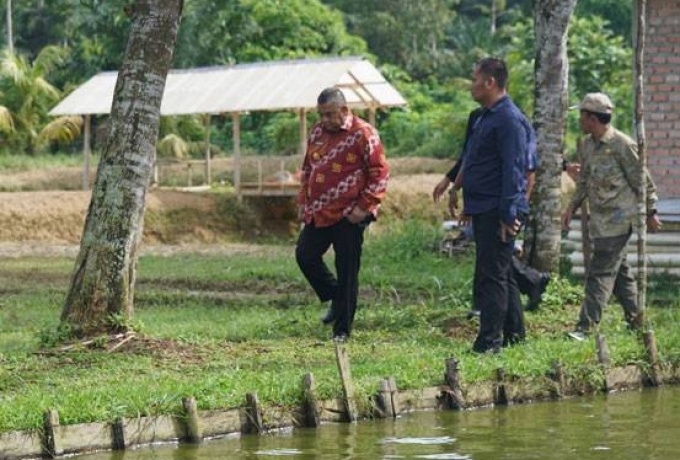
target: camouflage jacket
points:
(610, 180)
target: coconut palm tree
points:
(551, 22)
(29, 95)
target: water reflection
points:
(636, 426)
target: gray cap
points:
(596, 102)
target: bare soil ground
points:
(51, 222)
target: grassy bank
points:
(217, 327)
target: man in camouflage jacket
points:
(610, 179)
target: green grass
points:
(218, 327)
(15, 163)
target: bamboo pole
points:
(208, 167)
(87, 152)
(642, 153)
(236, 122)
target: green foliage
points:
(437, 43)
(421, 25)
(598, 61)
(52, 337)
(260, 30)
(28, 96)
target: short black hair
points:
(604, 118)
(332, 95)
(496, 68)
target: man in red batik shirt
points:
(344, 178)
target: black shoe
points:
(329, 317)
(340, 338)
(486, 351)
(474, 314)
(536, 295)
(513, 339)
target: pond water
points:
(636, 425)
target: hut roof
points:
(266, 86)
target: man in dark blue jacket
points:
(494, 191)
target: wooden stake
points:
(655, 378)
(51, 447)
(193, 427)
(118, 434)
(454, 396)
(309, 405)
(346, 378)
(501, 396)
(386, 400)
(603, 351)
(557, 375)
(253, 418)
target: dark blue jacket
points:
(495, 163)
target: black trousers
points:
(347, 240)
(496, 293)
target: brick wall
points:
(662, 104)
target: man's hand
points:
(573, 170)
(440, 188)
(566, 219)
(453, 202)
(508, 232)
(653, 223)
(357, 215)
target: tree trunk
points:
(102, 283)
(551, 23)
(641, 10)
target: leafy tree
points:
(618, 14)
(433, 125)
(406, 33)
(599, 61)
(260, 30)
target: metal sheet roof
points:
(268, 86)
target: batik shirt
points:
(610, 179)
(341, 170)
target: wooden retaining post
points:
(51, 447)
(387, 404)
(500, 393)
(253, 423)
(604, 358)
(194, 433)
(118, 434)
(309, 404)
(454, 395)
(654, 377)
(556, 374)
(346, 378)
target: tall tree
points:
(102, 283)
(551, 24)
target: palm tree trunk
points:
(551, 23)
(102, 283)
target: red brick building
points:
(662, 95)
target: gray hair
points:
(332, 96)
